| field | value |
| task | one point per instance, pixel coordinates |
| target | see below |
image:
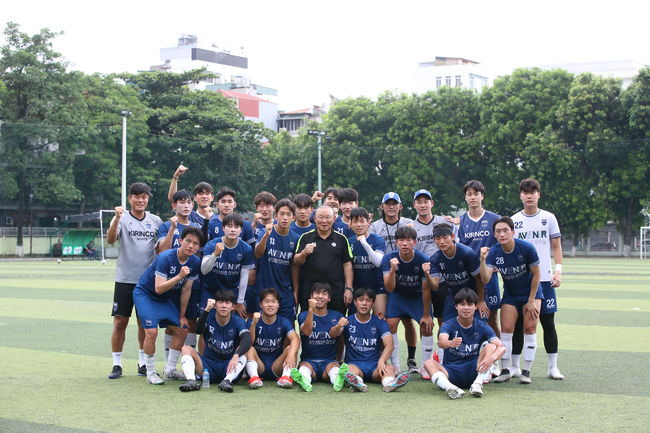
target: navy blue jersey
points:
(176, 240)
(366, 274)
(227, 268)
(167, 266)
(221, 342)
(409, 275)
(472, 337)
(514, 267)
(301, 230)
(215, 230)
(458, 271)
(342, 227)
(269, 338)
(479, 233)
(274, 267)
(319, 346)
(363, 340)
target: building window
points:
(458, 82)
(438, 82)
(448, 80)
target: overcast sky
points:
(308, 50)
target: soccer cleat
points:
(142, 370)
(301, 380)
(190, 385)
(340, 378)
(476, 389)
(225, 385)
(355, 382)
(284, 382)
(255, 382)
(495, 368)
(516, 372)
(412, 366)
(401, 380)
(455, 392)
(553, 373)
(503, 377)
(525, 377)
(154, 379)
(174, 375)
(115, 372)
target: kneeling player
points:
(318, 356)
(368, 345)
(227, 339)
(471, 347)
(275, 344)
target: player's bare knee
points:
(187, 350)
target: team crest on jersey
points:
(333, 244)
(240, 256)
(476, 335)
(520, 258)
(291, 245)
(460, 263)
(373, 329)
(334, 322)
(484, 223)
(231, 332)
(543, 221)
(172, 269)
(148, 224)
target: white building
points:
(451, 72)
(625, 70)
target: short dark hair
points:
(303, 200)
(264, 197)
(347, 195)
(269, 292)
(406, 232)
(192, 231)
(139, 188)
(529, 185)
(504, 219)
(233, 219)
(224, 296)
(476, 185)
(203, 187)
(183, 194)
(466, 295)
(365, 291)
(285, 202)
(359, 212)
(331, 190)
(321, 287)
(442, 229)
(223, 191)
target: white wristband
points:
(558, 267)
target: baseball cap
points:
(420, 192)
(391, 196)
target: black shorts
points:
(438, 300)
(123, 299)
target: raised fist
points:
(256, 316)
(184, 272)
(426, 267)
(218, 249)
(484, 252)
(394, 263)
(119, 210)
(173, 221)
(312, 304)
(210, 304)
(342, 322)
(180, 170)
(361, 238)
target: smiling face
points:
(391, 209)
(223, 308)
(322, 297)
(360, 225)
(465, 309)
(364, 304)
(347, 206)
(139, 202)
(423, 205)
(270, 305)
(324, 218)
(203, 199)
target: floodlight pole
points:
(319, 135)
(124, 115)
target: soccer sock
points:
(251, 369)
(387, 380)
(141, 361)
(172, 359)
(440, 380)
(117, 358)
(514, 361)
(286, 371)
(411, 350)
(394, 356)
(530, 348)
(190, 340)
(306, 373)
(550, 333)
(167, 343)
(506, 339)
(427, 348)
(238, 369)
(483, 377)
(333, 374)
(150, 362)
(552, 360)
(187, 364)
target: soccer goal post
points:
(644, 238)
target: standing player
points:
(274, 251)
(475, 231)
(137, 232)
(226, 205)
(518, 264)
(470, 349)
(368, 346)
(203, 196)
(173, 270)
(330, 198)
(318, 355)
(540, 228)
(348, 200)
(304, 208)
(264, 203)
(226, 263)
(227, 339)
(409, 296)
(275, 345)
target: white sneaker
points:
(154, 379)
(505, 376)
(554, 373)
(524, 378)
(495, 369)
(174, 375)
(476, 389)
(516, 372)
(455, 392)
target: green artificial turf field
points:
(55, 327)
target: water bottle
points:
(206, 378)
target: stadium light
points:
(124, 115)
(318, 134)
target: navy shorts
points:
(438, 300)
(268, 374)
(549, 304)
(318, 365)
(366, 367)
(462, 374)
(520, 301)
(493, 293)
(217, 368)
(153, 313)
(402, 306)
(193, 309)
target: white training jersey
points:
(425, 242)
(387, 231)
(538, 229)
(137, 241)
